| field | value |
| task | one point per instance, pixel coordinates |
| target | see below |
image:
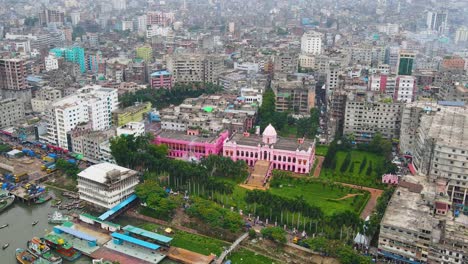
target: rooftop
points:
(282, 143)
(147, 234)
(102, 172)
(182, 135)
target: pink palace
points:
(295, 155)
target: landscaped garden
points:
(330, 198)
(355, 167)
(362, 164)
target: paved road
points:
(375, 194)
(231, 248)
(317, 170)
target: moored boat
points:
(39, 247)
(25, 257)
(63, 247)
(5, 200)
(58, 218)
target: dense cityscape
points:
(233, 131)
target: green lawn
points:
(196, 243)
(355, 177)
(246, 256)
(321, 150)
(321, 195)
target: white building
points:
(461, 35)
(246, 66)
(156, 30)
(311, 42)
(252, 95)
(92, 104)
(51, 62)
(405, 88)
(106, 184)
(142, 23)
(119, 4)
(75, 18)
(366, 114)
(131, 128)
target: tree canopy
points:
(165, 97)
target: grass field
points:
(200, 244)
(356, 176)
(321, 150)
(322, 195)
(246, 256)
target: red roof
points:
(441, 206)
(411, 168)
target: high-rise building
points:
(95, 62)
(461, 35)
(405, 89)
(48, 16)
(434, 135)
(405, 63)
(367, 114)
(190, 68)
(51, 62)
(437, 21)
(161, 79)
(311, 42)
(92, 104)
(75, 18)
(72, 54)
(119, 4)
(333, 73)
(286, 62)
(12, 74)
(11, 111)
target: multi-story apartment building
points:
(72, 54)
(295, 93)
(45, 97)
(47, 16)
(286, 62)
(51, 62)
(161, 79)
(367, 113)
(336, 113)
(456, 92)
(11, 111)
(190, 68)
(12, 74)
(419, 226)
(434, 135)
(106, 185)
(92, 104)
(88, 142)
(333, 73)
(405, 89)
(311, 42)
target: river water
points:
(20, 216)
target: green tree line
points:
(165, 97)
